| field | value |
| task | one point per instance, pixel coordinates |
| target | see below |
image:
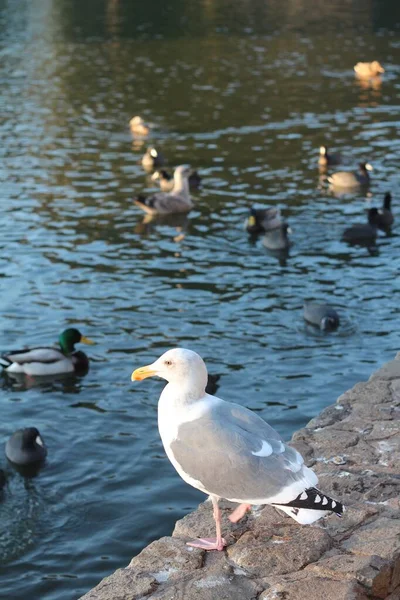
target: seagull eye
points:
(168, 363)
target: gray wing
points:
(238, 456)
(43, 355)
(169, 203)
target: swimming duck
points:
(26, 447)
(385, 215)
(366, 69)
(363, 233)
(263, 219)
(326, 159)
(321, 315)
(139, 127)
(48, 360)
(351, 181)
(176, 201)
(166, 180)
(277, 238)
(152, 159)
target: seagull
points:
(176, 201)
(228, 451)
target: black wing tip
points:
(313, 499)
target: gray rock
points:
(382, 537)
(263, 552)
(124, 584)
(373, 572)
(303, 586)
(214, 586)
(167, 557)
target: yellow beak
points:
(85, 340)
(251, 221)
(143, 373)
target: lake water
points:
(246, 92)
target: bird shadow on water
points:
(67, 383)
(149, 224)
(20, 497)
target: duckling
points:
(152, 159)
(363, 233)
(48, 360)
(164, 203)
(366, 69)
(321, 315)
(385, 215)
(139, 127)
(263, 219)
(327, 159)
(277, 238)
(26, 447)
(166, 180)
(347, 180)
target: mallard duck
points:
(164, 203)
(321, 315)
(139, 127)
(363, 233)
(49, 360)
(385, 215)
(368, 69)
(152, 159)
(263, 219)
(26, 447)
(349, 180)
(166, 181)
(327, 159)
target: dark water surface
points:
(244, 91)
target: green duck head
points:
(71, 336)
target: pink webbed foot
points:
(239, 512)
(208, 543)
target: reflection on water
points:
(246, 93)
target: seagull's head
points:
(178, 366)
(182, 172)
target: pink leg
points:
(239, 512)
(217, 543)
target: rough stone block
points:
(382, 537)
(390, 370)
(204, 586)
(263, 554)
(167, 557)
(373, 572)
(124, 584)
(353, 517)
(302, 586)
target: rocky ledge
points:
(354, 446)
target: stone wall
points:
(354, 446)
